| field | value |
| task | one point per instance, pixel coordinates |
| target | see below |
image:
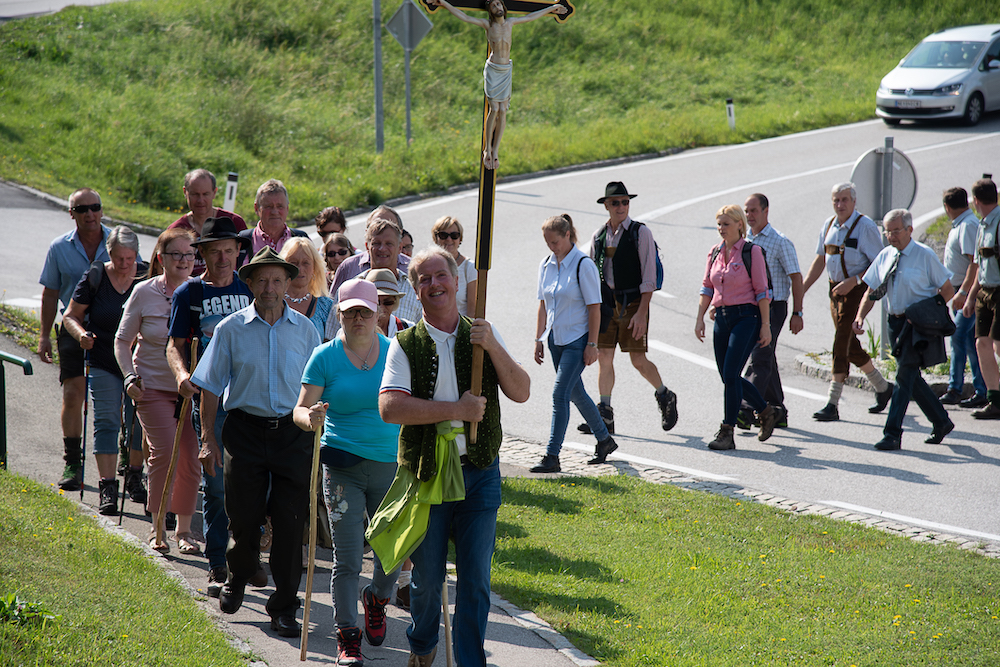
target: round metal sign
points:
(867, 177)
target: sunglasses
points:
(352, 313)
(83, 208)
(178, 256)
(388, 302)
(337, 253)
(444, 236)
(618, 202)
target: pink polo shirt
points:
(727, 281)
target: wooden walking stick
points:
(447, 622)
(162, 511)
(317, 443)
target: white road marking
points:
(658, 464)
(710, 363)
(25, 303)
(664, 295)
(916, 522)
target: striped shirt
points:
(781, 259)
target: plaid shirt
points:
(781, 259)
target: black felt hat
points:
(222, 229)
(615, 189)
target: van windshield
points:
(944, 55)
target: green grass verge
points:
(644, 574)
(126, 97)
(21, 326)
(116, 606)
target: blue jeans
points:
(213, 503)
(737, 329)
(568, 360)
(348, 492)
(106, 394)
(909, 382)
(963, 346)
(473, 523)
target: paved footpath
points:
(515, 637)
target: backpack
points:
(633, 231)
(747, 254)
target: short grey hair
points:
(124, 237)
(428, 253)
(384, 212)
(900, 214)
(380, 226)
(846, 185)
(272, 186)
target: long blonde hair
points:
(317, 284)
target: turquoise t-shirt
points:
(352, 422)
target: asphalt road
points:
(954, 484)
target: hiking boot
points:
(724, 438)
(134, 487)
(828, 413)
(667, 401)
(216, 580)
(989, 412)
(951, 397)
(607, 414)
(422, 660)
(548, 463)
(72, 478)
(374, 616)
(349, 647)
(746, 419)
(604, 447)
(108, 489)
(882, 399)
(768, 418)
(783, 419)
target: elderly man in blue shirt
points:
(256, 357)
(906, 272)
(68, 258)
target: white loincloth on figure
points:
(498, 80)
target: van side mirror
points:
(993, 64)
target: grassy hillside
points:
(127, 97)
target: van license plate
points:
(907, 104)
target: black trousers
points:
(267, 472)
(762, 372)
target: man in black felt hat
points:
(625, 254)
(256, 358)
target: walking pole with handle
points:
(313, 477)
(128, 448)
(447, 622)
(162, 511)
(83, 436)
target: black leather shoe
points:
(285, 625)
(548, 463)
(938, 433)
(889, 443)
(231, 596)
(989, 412)
(951, 397)
(882, 399)
(829, 413)
(604, 447)
(975, 401)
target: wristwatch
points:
(591, 344)
(797, 312)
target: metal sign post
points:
(379, 114)
(408, 25)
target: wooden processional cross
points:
(487, 175)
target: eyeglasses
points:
(444, 236)
(83, 208)
(388, 302)
(337, 253)
(178, 256)
(353, 313)
(618, 202)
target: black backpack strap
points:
(95, 272)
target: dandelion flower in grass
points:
(61, 492)
(693, 567)
(822, 576)
(782, 639)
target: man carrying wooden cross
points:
(498, 73)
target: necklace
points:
(300, 299)
(363, 360)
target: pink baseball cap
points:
(358, 292)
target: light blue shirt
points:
(920, 275)
(961, 245)
(781, 259)
(869, 244)
(989, 267)
(566, 300)
(67, 261)
(258, 366)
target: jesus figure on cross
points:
(498, 71)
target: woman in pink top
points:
(741, 302)
(152, 386)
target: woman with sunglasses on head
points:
(330, 221)
(742, 301)
(92, 318)
(335, 249)
(340, 388)
(308, 292)
(151, 384)
(447, 233)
